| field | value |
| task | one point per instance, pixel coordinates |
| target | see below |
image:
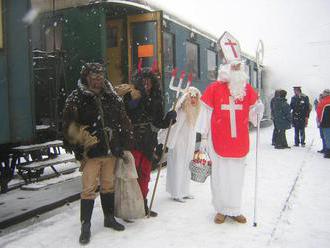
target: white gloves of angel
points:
(203, 144)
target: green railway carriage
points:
(16, 88)
(122, 32)
(40, 59)
(43, 44)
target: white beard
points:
(237, 82)
(191, 111)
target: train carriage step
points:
(34, 147)
(34, 170)
(63, 158)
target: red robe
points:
(229, 122)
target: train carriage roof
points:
(53, 5)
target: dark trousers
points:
(323, 139)
(274, 136)
(299, 132)
(280, 140)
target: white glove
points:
(203, 144)
(259, 107)
(256, 113)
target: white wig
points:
(185, 105)
(190, 92)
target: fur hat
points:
(88, 68)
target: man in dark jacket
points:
(300, 113)
(276, 94)
(97, 129)
(145, 108)
(282, 119)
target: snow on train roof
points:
(50, 5)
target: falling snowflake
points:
(30, 16)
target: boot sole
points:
(116, 229)
(238, 221)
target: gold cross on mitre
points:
(230, 48)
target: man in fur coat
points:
(96, 128)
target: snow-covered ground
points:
(292, 209)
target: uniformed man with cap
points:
(300, 108)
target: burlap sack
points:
(129, 202)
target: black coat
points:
(281, 113)
(325, 122)
(147, 116)
(272, 107)
(300, 110)
(85, 108)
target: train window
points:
(247, 71)
(112, 37)
(192, 63)
(254, 78)
(144, 33)
(211, 65)
(222, 59)
(53, 37)
(169, 62)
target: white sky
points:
(296, 34)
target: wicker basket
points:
(200, 167)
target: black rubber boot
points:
(146, 208)
(86, 210)
(108, 206)
(326, 153)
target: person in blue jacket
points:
(282, 119)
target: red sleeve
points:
(319, 109)
(252, 94)
(207, 96)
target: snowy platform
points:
(293, 210)
(19, 205)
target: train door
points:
(145, 41)
(114, 51)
